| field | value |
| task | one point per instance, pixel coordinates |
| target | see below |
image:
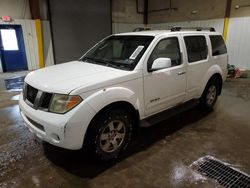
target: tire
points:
(210, 94)
(109, 134)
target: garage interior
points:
(42, 33)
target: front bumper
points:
(63, 130)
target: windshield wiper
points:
(93, 60)
(110, 64)
(104, 62)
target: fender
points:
(210, 72)
(106, 96)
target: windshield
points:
(122, 52)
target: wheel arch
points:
(218, 78)
(114, 97)
(214, 72)
(121, 105)
(115, 105)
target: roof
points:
(159, 32)
(147, 33)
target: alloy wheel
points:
(112, 136)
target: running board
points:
(157, 118)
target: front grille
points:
(222, 173)
(46, 100)
(36, 98)
(31, 94)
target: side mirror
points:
(161, 63)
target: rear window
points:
(218, 45)
(196, 48)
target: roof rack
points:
(192, 28)
(176, 28)
(142, 29)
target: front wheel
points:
(210, 94)
(109, 134)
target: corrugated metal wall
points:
(47, 44)
(216, 23)
(238, 42)
(124, 27)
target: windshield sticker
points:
(136, 52)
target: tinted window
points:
(218, 45)
(168, 48)
(196, 48)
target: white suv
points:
(98, 100)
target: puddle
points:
(12, 84)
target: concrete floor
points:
(160, 156)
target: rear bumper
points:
(62, 130)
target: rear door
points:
(12, 51)
(197, 62)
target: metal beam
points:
(35, 9)
(35, 15)
(226, 19)
(145, 12)
(51, 31)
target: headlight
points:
(64, 103)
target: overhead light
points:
(194, 11)
(241, 6)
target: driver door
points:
(166, 87)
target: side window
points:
(168, 48)
(218, 45)
(196, 48)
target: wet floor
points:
(12, 81)
(14, 84)
(160, 156)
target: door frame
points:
(21, 45)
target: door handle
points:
(181, 73)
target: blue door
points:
(12, 50)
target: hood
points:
(67, 77)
